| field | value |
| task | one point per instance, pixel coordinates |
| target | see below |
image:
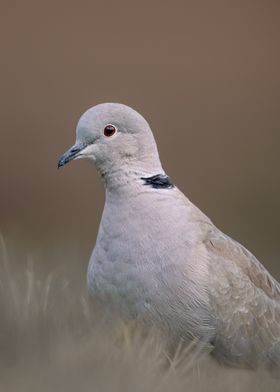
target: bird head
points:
(116, 138)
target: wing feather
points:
(246, 303)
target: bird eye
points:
(110, 130)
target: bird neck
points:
(130, 172)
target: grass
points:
(53, 339)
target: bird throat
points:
(158, 181)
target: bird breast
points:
(144, 262)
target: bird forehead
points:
(121, 116)
(99, 116)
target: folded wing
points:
(246, 303)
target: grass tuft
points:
(53, 339)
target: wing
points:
(246, 303)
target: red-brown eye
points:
(110, 130)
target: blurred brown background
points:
(205, 74)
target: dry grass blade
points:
(53, 339)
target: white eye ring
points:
(110, 130)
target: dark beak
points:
(71, 154)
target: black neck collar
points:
(158, 181)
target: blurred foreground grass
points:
(53, 339)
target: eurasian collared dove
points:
(160, 258)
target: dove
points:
(159, 258)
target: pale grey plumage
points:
(159, 258)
